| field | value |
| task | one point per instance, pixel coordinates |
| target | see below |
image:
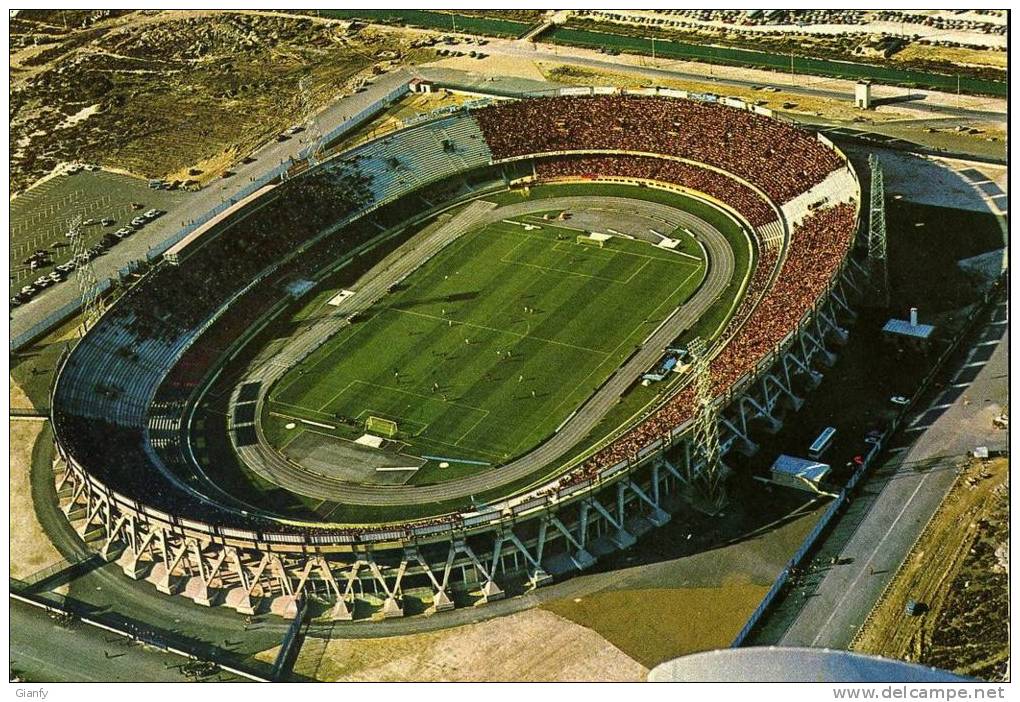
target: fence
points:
(809, 542)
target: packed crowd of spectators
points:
(175, 298)
(778, 158)
(818, 247)
(712, 183)
(781, 160)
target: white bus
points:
(822, 443)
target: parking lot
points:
(41, 217)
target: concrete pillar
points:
(197, 591)
(132, 567)
(491, 591)
(285, 606)
(240, 599)
(163, 579)
(391, 609)
(441, 602)
(340, 612)
(582, 559)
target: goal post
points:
(378, 425)
(589, 241)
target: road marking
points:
(849, 590)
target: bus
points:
(822, 443)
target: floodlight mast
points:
(878, 263)
(92, 305)
(705, 466)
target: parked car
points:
(153, 214)
(872, 437)
(108, 221)
(899, 400)
(138, 222)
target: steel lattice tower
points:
(706, 423)
(92, 306)
(878, 263)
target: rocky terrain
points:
(161, 93)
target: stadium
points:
(450, 363)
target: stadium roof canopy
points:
(776, 664)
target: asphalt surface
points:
(41, 650)
(276, 468)
(710, 73)
(895, 505)
(270, 156)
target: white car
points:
(899, 400)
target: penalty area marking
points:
(339, 298)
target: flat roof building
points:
(799, 473)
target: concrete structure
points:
(792, 665)
(862, 95)
(799, 473)
(196, 545)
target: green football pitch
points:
(488, 347)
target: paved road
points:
(195, 205)
(897, 502)
(809, 86)
(272, 466)
(43, 651)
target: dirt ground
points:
(957, 55)
(529, 646)
(494, 65)
(612, 625)
(656, 625)
(174, 94)
(19, 399)
(958, 570)
(31, 549)
(658, 611)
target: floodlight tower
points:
(311, 130)
(706, 424)
(878, 263)
(92, 305)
